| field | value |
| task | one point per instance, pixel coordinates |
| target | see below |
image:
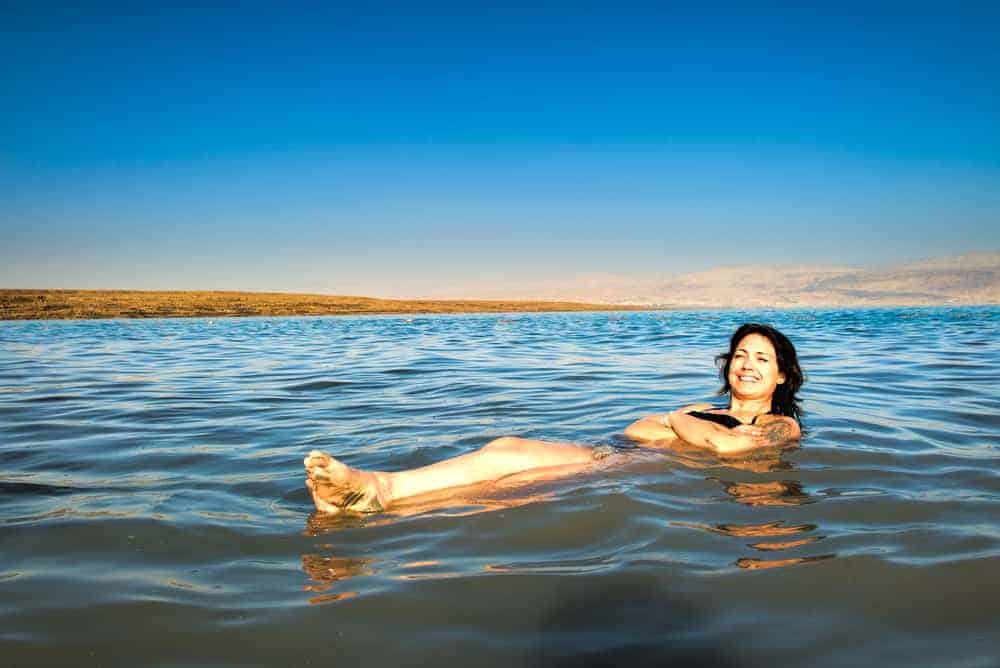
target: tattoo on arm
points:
(777, 433)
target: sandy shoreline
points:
(26, 304)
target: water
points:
(152, 510)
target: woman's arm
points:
(774, 430)
(657, 427)
(777, 430)
(707, 434)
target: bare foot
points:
(336, 487)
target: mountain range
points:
(973, 278)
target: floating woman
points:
(760, 374)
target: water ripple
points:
(150, 476)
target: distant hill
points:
(965, 279)
(76, 304)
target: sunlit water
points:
(152, 510)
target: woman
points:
(760, 373)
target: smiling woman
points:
(760, 373)
(762, 377)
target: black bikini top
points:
(727, 421)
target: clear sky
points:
(387, 149)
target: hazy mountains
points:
(966, 279)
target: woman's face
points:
(753, 369)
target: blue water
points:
(152, 510)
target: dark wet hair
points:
(784, 401)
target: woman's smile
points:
(753, 371)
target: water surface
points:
(152, 510)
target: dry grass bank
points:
(79, 304)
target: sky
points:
(392, 149)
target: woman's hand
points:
(745, 437)
(696, 431)
(658, 427)
(772, 431)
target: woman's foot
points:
(336, 487)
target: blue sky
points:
(389, 149)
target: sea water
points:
(152, 510)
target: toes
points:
(330, 470)
(321, 474)
(321, 505)
(317, 464)
(317, 459)
(334, 486)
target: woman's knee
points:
(504, 443)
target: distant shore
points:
(87, 304)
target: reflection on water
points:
(769, 494)
(766, 494)
(741, 530)
(756, 564)
(325, 571)
(771, 530)
(150, 478)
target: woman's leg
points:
(335, 486)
